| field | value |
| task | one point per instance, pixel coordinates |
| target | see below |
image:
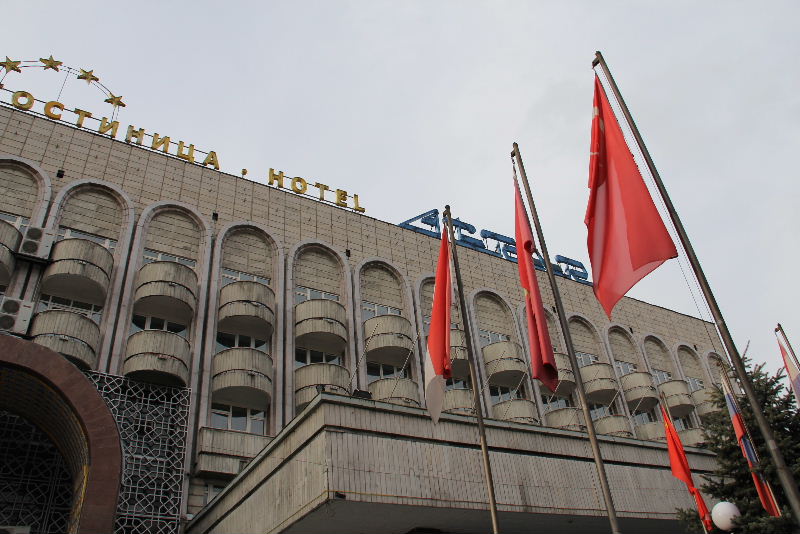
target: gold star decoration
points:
(88, 75)
(9, 64)
(115, 101)
(50, 63)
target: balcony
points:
(505, 363)
(80, 267)
(74, 335)
(321, 325)
(247, 307)
(158, 357)
(692, 437)
(566, 378)
(650, 431)
(221, 452)
(9, 243)
(332, 378)
(599, 382)
(458, 401)
(702, 399)
(388, 339)
(613, 425)
(569, 418)
(166, 288)
(640, 394)
(679, 401)
(518, 410)
(242, 376)
(458, 353)
(403, 391)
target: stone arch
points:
(111, 209)
(250, 250)
(623, 347)
(658, 355)
(62, 401)
(318, 266)
(717, 366)
(690, 363)
(585, 338)
(382, 284)
(494, 314)
(19, 178)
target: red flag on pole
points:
(543, 362)
(627, 237)
(437, 364)
(681, 470)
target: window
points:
(302, 294)
(695, 383)
(584, 358)
(625, 368)
(212, 490)
(371, 309)
(682, 423)
(659, 376)
(600, 410)
(154, 255)
(457, 383)
(307, 356)
(554, 403)
(248, 420)
(642, 418)
(49, 302)
(141, 322)
(503, 393)
(65, 232)
(488, 337)
(426, 325)
(376, 371)
(17, 221)
(229, 341)
(229, 276)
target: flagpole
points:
(562, 318)
(784, 474)
(792, 353)
(473, 375)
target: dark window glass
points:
(156, 323)
(138, 323)
(176, 328)
(225, 341)
(260, 344)
(300, 357)
(374, 369)
(316, 357)
(257, 426)
(238, 418)
(244, 341)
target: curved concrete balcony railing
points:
(519, 410)
(72, 334)
(333, 378)
(702, 399)
(458, 401)
(568, 418)
(458, 352)
(640, 394)
(242, 376)
(613, 425)
(321, 324)
(167, 284)
(220, 452)
(80, 267)
(388, 338)
(692, 437)
(157, 357)
(679, 401)
(505, 363)
(566, 378)
(401, 391)
(9, 243)
(599, 381)
(650, 431)
(247, 307)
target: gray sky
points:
(415, 104)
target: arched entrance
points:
(45, 396)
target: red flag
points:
(627, 238)
(542, 360)
(437, 364)
(681, 470)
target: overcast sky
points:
(416, 104)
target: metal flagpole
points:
(784, 474)
(792, 353)
(562, 318)
(473, 374)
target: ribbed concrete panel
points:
(243, 375)
(702, 399)
(640, 394)
(679, 401)
(158, 357)
(599, 381)
(519, 410)
(504, 363)
(613, 425)
(334, 378)
(167, 283)
(71, 334)
(568, 418)
(221, 452)
(321, 324)
(79, 267)
(458, 353)
(9, 242)
(650, 431)
(388, 339)
(247, 307)
(692, 436)
(401, 391)
(458, 401)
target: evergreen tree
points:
(732, 481)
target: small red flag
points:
(627, 238)
(437, 364)
(543, 362)
(681, 470)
